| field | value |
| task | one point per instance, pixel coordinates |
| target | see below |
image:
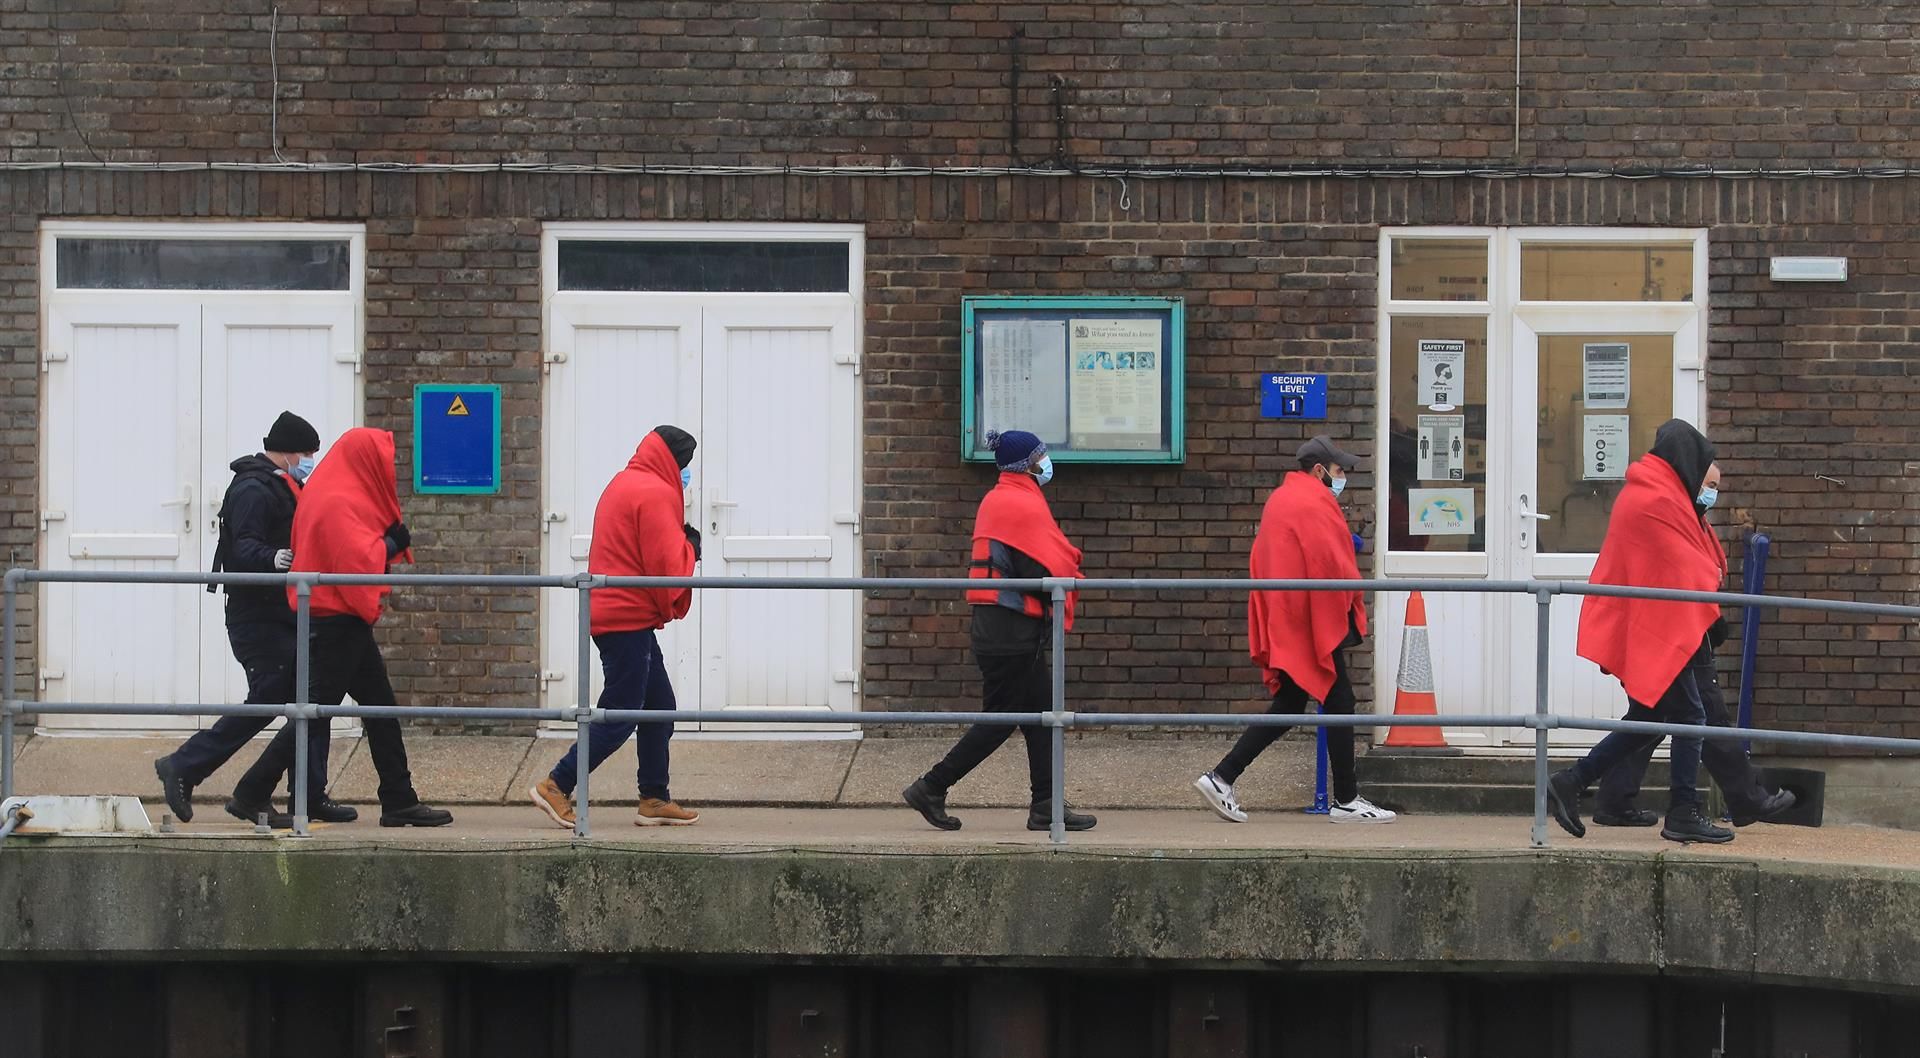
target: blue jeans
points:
(1683, 703)
(636, 678)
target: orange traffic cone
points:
(1414, 687)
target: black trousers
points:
(1726, 760)
(1012, 683)
(264, 650)
(1292, 698)
(345, 661)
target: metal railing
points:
(1058, 719)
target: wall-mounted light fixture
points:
(1807, 269)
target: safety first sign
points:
(456, 439)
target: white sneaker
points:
(1359, 810)
(1220, 798)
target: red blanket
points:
(1303, 536)
(341, 523)
(1655, 539)
(637, 532)
(1015, 513)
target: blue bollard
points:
(1753, 577)
(1319, 773)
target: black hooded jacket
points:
(256, 520)
(1687, 451)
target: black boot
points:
(327, 810)
(930, 803)
(1766, 811)
(178, 791)
(1686, 823)
(1627, 816)
(1040, 817)
(417, 815)
(276, 819)
(1563, 800)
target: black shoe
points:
(276, 819)
(419, 815)
(1767, 811)
(328, 810)
(930, 803)
(1686, 823)
(1626, 817)
(1040, 817)
(177, 791)
(1563, 801)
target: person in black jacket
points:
(256, 527)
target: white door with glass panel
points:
(768, 385)
(162, 366)
(1526, 368)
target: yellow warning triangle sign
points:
(458, 407)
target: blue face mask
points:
(1045, 471)
(686, 477)
(1707, 497)
(1338, 485)
(300, 470)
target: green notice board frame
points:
(456, 440)
(1100, 379)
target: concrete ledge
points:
(196, 898)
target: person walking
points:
(256, 535)
(1014, 538)
(1748, 801)
(637, 532)
(1300, 639)
(348, 521)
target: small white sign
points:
(1606, 374)
(1605, 443)
(1443, 373)
(1442, 454)
(1440, 512)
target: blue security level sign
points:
(1293, 396)
(456, 439)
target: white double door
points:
(149, 398)
(768, 385)
(1544, 507)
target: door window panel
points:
(1439, 270)
(1606, 272)
(203, 264)
(1602, 396)
(1437, 435)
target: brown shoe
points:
(657, 813)
(548, 798)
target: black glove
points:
(1717, 631)
(398, 538)
(693, 537)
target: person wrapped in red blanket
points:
(349, 521)
(1299, 639)
(1014, 538)
(1661, 651)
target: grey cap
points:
(1321, 449)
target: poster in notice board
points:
(1099, 379)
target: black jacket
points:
(256, 520)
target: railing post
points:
(1543, 630)
(7, 690)
(582, 717)
(1057, 828)
(302, 690)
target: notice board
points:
(456, 439)
(1099, 379)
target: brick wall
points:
(1278, 275)
(933, 83)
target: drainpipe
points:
(16, 815)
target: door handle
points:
(713, 525)
(185, 503)
(1536, 517)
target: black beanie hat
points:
(679, 442)
(291, 433)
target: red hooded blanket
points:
(341, 523)
(1015, 513)
(1303, 536)
(637, 532)
(1655, 539)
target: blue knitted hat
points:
(1015, 449)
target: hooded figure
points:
(637, 532)
(349, 522)
(1659, 650)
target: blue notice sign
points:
(1293, 396)
(456, 439)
